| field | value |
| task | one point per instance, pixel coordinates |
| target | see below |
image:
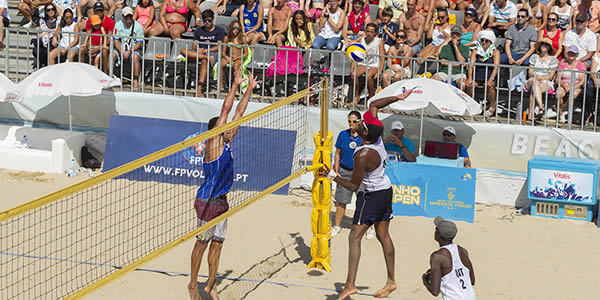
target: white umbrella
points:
(8, 90)
(66, 79)
(431, 97)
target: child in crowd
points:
(387, 28)
(234, 54)
(95, 45)
(144, 14)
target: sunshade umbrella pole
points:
(421, 133)
(70, 143)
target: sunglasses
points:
(552, 19)
(353, 121)
(208, 20)
(442, 17)
(579, 21)
(485, 41)
(448, 134)
(401, 36)
(236, 28)
(522, 17)
(50, 9)
(469, 15)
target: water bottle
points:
(90, 173)
(25, 142)
(519, 117)
(72, 172)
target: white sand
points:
(515, 257)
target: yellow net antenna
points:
(74, 241)
(321, 190)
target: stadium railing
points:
(165, 71)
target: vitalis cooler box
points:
(561, 187)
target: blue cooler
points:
(561, 187)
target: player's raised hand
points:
(238, 80)
(404, 95)
(252, 81)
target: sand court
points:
(268, 247)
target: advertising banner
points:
(561, 185)
(430, 191)
(257, 166)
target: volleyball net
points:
(71, 242)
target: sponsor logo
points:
(561, 175)
(194, 154)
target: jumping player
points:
(211, 200)
(451, 271)
(374, 198)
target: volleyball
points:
(356, 53)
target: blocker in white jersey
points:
(451, 271)
(456, 285)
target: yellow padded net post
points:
(321, 191)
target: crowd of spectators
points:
(551, 34)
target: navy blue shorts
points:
(373, 207)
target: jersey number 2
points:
(462, 283)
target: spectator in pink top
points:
(144, 14)
(564, 80)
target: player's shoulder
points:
(441, 255)
(462, 250)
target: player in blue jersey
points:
(211, 200)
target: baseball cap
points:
(397, 125)
(573, 48)
(581, 17)
(456, 29)
(127, 11)
(449, 129)
(447, 229)
(374, 127)
(98, 6)
(369, 120)
(95, 20)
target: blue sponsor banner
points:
(430, 191)
(262, 157)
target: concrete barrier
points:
(48, 150)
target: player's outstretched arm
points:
(358, 172)
(242, 105)
(228, 103)
(378, 104)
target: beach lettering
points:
(541, 146)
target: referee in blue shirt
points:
(343, 164)
(399, 144)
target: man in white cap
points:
(449, 135)
(129, 37)
(398, 144)
(451, 271)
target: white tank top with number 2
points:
(456, 285)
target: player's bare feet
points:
(348, 291)
(386, 290)
(212, 293)
(193, 291)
